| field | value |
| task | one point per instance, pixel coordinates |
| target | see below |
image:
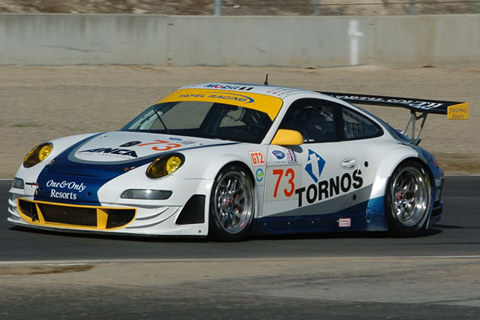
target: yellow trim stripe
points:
(458, 111)
(268, 104)
(101, 212)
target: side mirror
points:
(285, 137)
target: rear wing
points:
(419, 109)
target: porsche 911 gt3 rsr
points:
(226, 160)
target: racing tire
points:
(232, 204)
(408, 199)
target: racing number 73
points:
(289, 174)
(167, 145)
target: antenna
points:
(266, 80)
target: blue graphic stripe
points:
(368, 215)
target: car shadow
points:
(345, 235)
(141, 238)
(299, 236)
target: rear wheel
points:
(408, 199)
(231, 205)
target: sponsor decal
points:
(344, 222)
(231, 96)
(291, 157)
(65, 189)
(257, 158)
(118, 152)
(284, 156)
(228, 87)
(183, 142)
(315, 165)
(193, 95)
(327, 188)
(221, 96)
(422, 105)
(278, 154)
(282, 92)
(259, 175)
(458, 112)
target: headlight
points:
(165, 165)
(37, 154)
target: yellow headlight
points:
(164, 166)
(37, 154)
(156, 170)
(173, 163)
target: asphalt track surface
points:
(47, 275)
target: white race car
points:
(227, 160)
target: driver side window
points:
(313, 118)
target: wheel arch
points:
(215, 167)
(242, 164)
(390, 162)
(376, 215)
(422, 163)
(219, 163)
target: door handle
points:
(349, 163)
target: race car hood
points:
(126, 147)
(117, 150)
(77, 173)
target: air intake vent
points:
(81, 217)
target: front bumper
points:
(182, 215)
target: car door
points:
(316, 178)
(367, 137)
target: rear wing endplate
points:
(419, 109)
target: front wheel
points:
(408, 199)
(231, 205)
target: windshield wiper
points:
(160, 118)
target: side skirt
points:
(367, 216)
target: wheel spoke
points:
(224, 219)
(232, 186)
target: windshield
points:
(203, 120)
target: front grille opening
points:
(29, 209)
(119, 217)
(69, 215)
(102, 218)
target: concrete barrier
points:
(416, 41)
(51, 39)
(393, 41)
(265, 41)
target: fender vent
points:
(193, 211)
